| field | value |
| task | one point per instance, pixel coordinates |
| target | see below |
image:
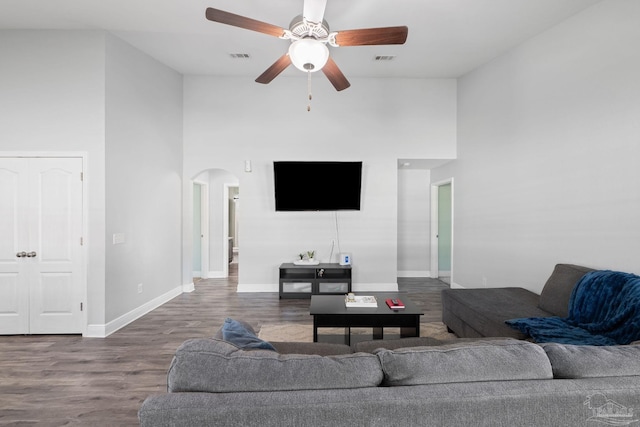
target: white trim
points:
(258, 287)
(225, 229)
(374, 287)
(456, 286)
(204, 226)
(188, 287)
(103, 331)
(414, 273)
(217, 275)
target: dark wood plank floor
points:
(75, 381)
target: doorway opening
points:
(216, 196)
(442, 230)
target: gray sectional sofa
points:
(474, 313)
(499, 382)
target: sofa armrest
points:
(555, 295)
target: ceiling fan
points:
(309, 35)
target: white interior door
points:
(14, 295)
(47, 252)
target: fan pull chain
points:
(309, 89)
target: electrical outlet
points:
(139, 288)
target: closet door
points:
(41, 275)
(14, 287)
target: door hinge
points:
(81, 306)
(82, 241)
(81, 176)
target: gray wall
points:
(377, 121)
(414, 217)
(88, 92)
(143, 170)
(52, 97)
(548, 149)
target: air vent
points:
(384, 58)
(239, 55)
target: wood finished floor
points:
(73, 381)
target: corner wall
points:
(144, 183)
(548, 149)
(414, 223)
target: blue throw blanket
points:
(604, 309)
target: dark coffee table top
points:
(334, 304)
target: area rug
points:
(304, 333)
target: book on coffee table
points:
(394, 304)
(362, 301)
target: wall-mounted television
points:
(317, 186)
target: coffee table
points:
(329, 311)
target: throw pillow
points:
(237, 334)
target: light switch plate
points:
(118, 238)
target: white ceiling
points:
(447, 38)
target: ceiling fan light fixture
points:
(308, 55)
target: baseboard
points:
(374, 287)
(414, 273)
(188, 287)
(355, 287)
(103, 331)
(258, 287)
(216, 275)
(454, 285)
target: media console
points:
(302, 281)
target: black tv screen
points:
(317, 186)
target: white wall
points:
(229, 120)
(548, 149)
(414, 222)
(52, 100)
(144, 172)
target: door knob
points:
(21, 254)
(31, 254)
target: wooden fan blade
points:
(372, 36)
(217, 15)
(272, 72)
(335, 76)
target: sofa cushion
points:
(467, 362)
(585, 361)
(215, 366)
(370, 346)
(554, 297)
(235, 332)
(317, 348)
